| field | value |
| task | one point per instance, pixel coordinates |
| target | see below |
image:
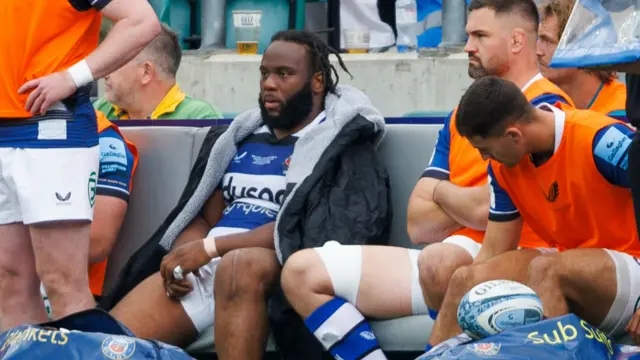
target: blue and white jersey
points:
(254, 185)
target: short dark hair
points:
(319, 53)
(164, 51)
(489, 106)
(527, 9)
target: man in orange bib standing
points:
(49, 144)
(564, 172)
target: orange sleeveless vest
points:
(611, 99)
(40, 38)
(467, 168)
(575, 207)
(97, 271)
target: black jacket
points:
(633, 99)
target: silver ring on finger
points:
(177, 273)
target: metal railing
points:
(454, 18)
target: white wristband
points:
(210, 246)
(81, 73)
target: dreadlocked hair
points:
(319, 53)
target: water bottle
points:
(407, 25)
(47, 303)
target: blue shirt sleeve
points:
(611, 153)
(619, 115)
(548, 98)
(501, 207)
(439, 163)
(116, 165)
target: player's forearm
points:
(468, 206)
(261, 237)
(126, 39)
(500, 238)
(427, 223)
(490, 250)
(197, 230)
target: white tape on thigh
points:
(344, 265)
(472, 247)
(418, 304)
(627, 295)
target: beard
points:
(477, 71)
(294, 110)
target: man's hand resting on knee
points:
(190, 257)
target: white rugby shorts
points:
(200, 304)
(51, 184)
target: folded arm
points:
(438, 207)
(426, 221)
(468, 206)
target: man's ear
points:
(317, 83)
(513, 133)
(148, 72)
(518, 40)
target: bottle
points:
(47, 303)
(407, 25)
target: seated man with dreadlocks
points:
(300, 169)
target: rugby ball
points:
(494, 306)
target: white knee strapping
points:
(344, 265)
(418, 305)
(628, 294)
(472, 247)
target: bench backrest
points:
(167, 154)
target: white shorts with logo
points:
(627, 299)
(50, 184)
(200, 304)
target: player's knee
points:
(304, 273)
(246, 272)
(437, 266)
(542, 268)
(462, 279)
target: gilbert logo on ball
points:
(494, 306)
